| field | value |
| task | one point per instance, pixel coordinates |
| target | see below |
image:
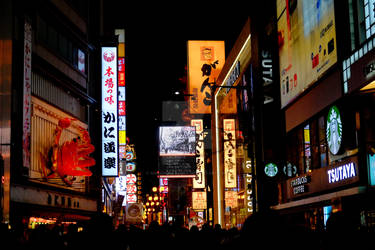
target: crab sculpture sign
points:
(71, 158)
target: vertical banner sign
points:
(199, 180)
(230, 178)
(109, 112)
(205, 61)
(121, 93)
(248, 172)
(26, 95)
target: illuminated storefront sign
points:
(27, 95)
(334, 130)
(131, 188)
(371, 168)
(199, 200)
(248, 186)
(199, 180)
(299, 184)
(230, 167)
(121, 185)
(341, 173)
(163, 184)
(231, 199)
(321, 179)
(205, 61)
(271, 169)
(109, 112)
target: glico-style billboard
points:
(307, 44)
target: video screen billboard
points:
(177, 151)
(177, 141)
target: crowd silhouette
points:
(262, 230)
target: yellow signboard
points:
(205, 61)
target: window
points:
(60, 43)
(361, 21)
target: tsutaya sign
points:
(338, 175)
(341, 173)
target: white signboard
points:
(109, 112)
(199, 180)
(230, 171)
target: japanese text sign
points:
(109, 112)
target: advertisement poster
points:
(307, 44)
(205, 61)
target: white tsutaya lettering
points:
(341, 173)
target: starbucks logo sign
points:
(271, 169)
(334, 130)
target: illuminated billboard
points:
(230, 167)
(307, 44)
(199, 180)
(109, 112)
(177, 152)
(177, 141)
(205, 61)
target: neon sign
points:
(341, 173)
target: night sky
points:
(156, 55)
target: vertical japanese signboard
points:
(199, 180)
(230, 171)
(205, 61)
(109, 112)
(131, 188)
(27, 95)
(121, 93)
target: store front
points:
(333, 163)
(54, 186)
(232, 167)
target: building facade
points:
(48, 106)
(247, 124)
(328, 111)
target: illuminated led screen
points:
(177, 141)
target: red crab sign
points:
(71, 158)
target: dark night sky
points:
(156, 55)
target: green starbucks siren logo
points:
(334, 130)
(270, 169)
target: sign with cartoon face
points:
(334, 130)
